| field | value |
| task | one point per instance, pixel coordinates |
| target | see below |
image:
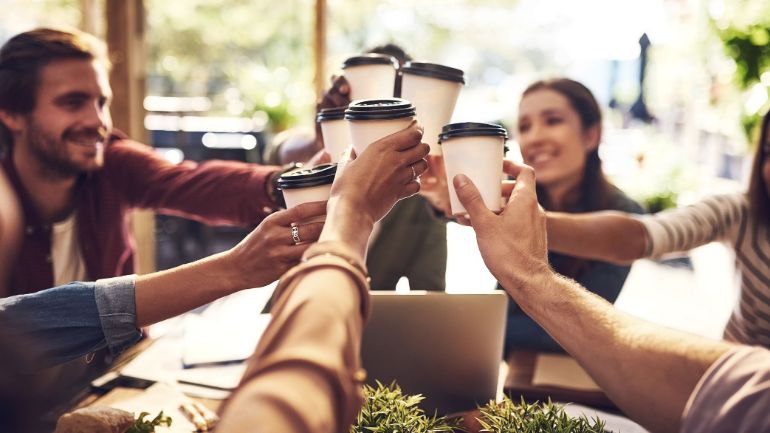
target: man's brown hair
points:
(24, 56)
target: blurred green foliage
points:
(750, 49)
(744, 30)
(246, 55)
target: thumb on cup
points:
(470, 198)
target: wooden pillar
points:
(125, 40)
(92, 17)
(320, 47)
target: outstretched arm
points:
(304, 374)
(649, 371)
(609, 236)
(69, 321)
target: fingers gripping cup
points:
(335, 131)
(372, 119)
(370, 76)
(433, 89)
(475, 150)
(307, 185)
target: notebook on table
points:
(540, 376)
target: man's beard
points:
(52, 152)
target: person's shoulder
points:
(120, 146)
(622, 202)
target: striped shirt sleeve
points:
(682, 229)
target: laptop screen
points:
(447, 347)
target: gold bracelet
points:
(336, 249)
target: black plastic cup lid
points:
(370, 59)
(471, 129)
(434, 70)
(379, 109)
(327, 114)
(308, 177)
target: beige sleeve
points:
(305, 373)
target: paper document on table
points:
(221, 339)
(561, 371)
(233, 318)
(159, 397)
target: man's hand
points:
(338, 95)
(269, 251)
(513, 243)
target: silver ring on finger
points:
(414, 173)
(295, 234)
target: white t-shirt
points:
(68, 263)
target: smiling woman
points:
(559, 131)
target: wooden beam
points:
(125, 40)
(92, 17)
(320, 47)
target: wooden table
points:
(521, 367)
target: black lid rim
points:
(472, 129)
(335, 113)
(305, 178)
(379, 109)
(434, 70)
(381, 115)
(360, 105)
(370, 59)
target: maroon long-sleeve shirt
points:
(134, 177)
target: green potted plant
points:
(387, 409)
(510, 417)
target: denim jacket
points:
(66, 322)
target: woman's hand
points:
(269, 250)
(385, 173)
(372, 183)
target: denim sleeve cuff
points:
(116, 302)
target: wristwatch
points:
(277, 193)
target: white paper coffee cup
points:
(475, 150)
(370, 76)
(307, 185)
(433, 89)
(335, 131)
(372, 119)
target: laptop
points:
(447, 347)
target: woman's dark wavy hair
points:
(595, 192)
(759, 200)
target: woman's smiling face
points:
(552, 137)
